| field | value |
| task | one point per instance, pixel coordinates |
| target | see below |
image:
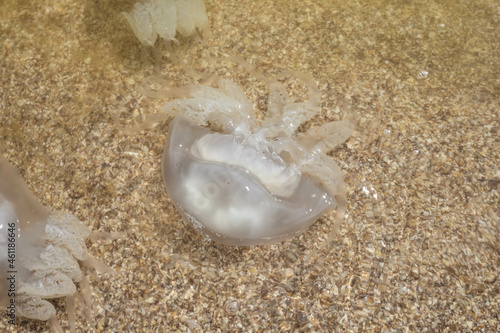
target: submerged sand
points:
(420, 249)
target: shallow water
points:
(420, 245)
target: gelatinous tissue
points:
(163, 18)
(42, 255)
(241, 182)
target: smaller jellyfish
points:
(42, 255)
(163, 18)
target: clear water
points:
(419, 248)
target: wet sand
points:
(420, 247)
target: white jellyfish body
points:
(163, 18)
(234, 205)
(244, 183)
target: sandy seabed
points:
(420, 248)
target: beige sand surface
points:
(420, 249)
